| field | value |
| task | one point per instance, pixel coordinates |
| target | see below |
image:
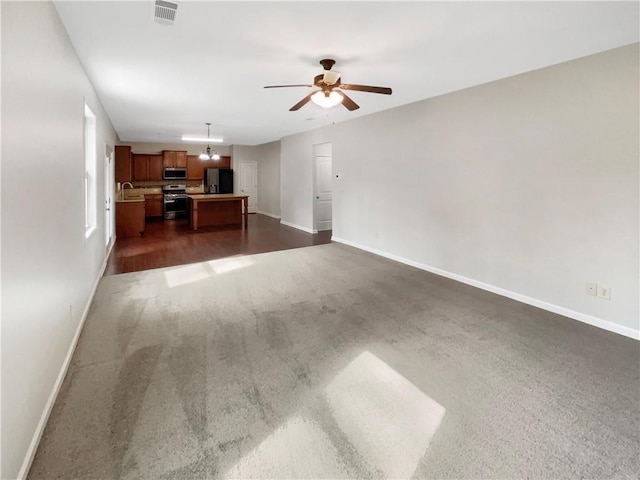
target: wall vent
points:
(165, 12)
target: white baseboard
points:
(299, 227)
(33, 447)
(581, 317)
(269, 214)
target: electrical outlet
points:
(592, 288)
(604, 292)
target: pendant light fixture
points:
(207, 153)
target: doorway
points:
(108, 196)
(249, 183)
(323, 193)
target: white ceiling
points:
(158, 83)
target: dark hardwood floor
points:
(170, 242)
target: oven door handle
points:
(169, 201)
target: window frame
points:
(90, 172)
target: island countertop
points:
(216, 209)
(216, 196)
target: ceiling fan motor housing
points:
(327, 63)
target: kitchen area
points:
(172, 185)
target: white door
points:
(108, 195)
(323, 198)
(249, 183)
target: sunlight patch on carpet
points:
(225, 265)
(201, 271)
(297, 449)
(184, 275)
(385, 416)
(381, 414)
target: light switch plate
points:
(592, 288)
(604, 292)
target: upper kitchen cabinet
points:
(196, 167)
(147, 167)
(173, 159)
(123, 171)
(140, 167)
(224, 162)
(156, 167)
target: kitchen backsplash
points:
(160, 183)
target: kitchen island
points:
(214, 210)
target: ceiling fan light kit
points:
(331, 89)
(327, 99)
(207, 153)
(330, 78)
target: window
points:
(90, 193)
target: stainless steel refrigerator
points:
(218, 180)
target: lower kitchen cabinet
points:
(153, 205)
(129, 219)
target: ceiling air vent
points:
(165, 12)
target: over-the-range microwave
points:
(174, 174)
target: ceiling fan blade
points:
(348, 103)
(284, 86)
(301, 103)
(366, 88)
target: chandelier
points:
(207, 153)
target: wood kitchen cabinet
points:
(129, 219)
(224, 162)
(140, 167)
(196, 167)
(123, 171)
(147, 167)
(173, 159)
(153, 205)
(156, 167)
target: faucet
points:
(122, 188)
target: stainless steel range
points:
(176, 201)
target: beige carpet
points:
(327, 362)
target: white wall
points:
(296, 164)
(527, 185)
(48, 268)
(268, 157)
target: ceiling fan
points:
(331, 91)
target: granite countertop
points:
(137, 194)
(142, 191)
(215, 196)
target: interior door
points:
(249, 183)
(108, 195)
(323, 195)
